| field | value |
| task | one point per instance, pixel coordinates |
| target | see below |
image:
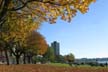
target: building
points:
(56, 47)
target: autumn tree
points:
(4, 48)
(49, 10)
(14, 32)
(36, 44)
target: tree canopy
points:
(36, 43)
(47, 10)
(69, 58)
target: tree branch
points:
(4, 9)
(25, 4)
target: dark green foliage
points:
(49, 55)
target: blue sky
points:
(85, 36)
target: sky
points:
(86, 36)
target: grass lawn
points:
(59, 64)
(49, 68)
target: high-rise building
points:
(55, 45)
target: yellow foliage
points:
(17, 27)
(49, 10)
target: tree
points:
(48, 10)
(35, 41)
(36, 44)
(14, 33)
(3, 10)
(4, 48)
(69, 58)
(49, 55)
(60, 59)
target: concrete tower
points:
(55, 45)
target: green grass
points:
(59, 64)
(78, 66)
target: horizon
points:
(86, 36)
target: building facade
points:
(56, 46)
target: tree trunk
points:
(7, 59)
(28, 59)
(17, 59)
(24, 62)
(3, 12)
